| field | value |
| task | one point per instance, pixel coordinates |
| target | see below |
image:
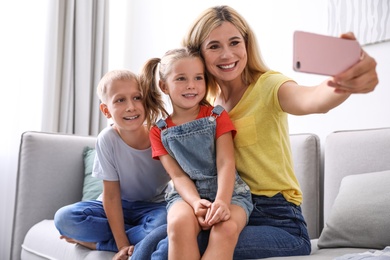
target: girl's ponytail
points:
(153, 102)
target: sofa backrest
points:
(306, 153)
(353, 152)
(47, 163)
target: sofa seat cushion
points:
(43, 241)
(322, 254)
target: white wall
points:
(149, 28)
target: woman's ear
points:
(105, 111)
(163, 86)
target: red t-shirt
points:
(224, 125)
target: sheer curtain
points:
(76, 59)
(53, 53)
(22, 27)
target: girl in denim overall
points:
(195, 146)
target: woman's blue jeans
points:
(276, 228)
(86, 221)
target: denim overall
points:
(193, 146)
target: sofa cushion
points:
(306, 152)
(92, 187)
(43, 241)
(352, 152)
(360, 214)
(321, 254)
(50, 174)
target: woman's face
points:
(225, 53)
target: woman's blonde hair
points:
(149, 99)
(149, 78)
(214, 17)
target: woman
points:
(258, 101)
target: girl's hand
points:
(203, 224)
(219, 211)
(201, 207)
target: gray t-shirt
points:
(141, 177)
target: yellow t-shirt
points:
(262, 144)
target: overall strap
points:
(216, 112)
(161, 124)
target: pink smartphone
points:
(325, 55)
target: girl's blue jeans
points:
(276, 228)
(87, 221)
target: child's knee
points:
(181, 224)
(62, 217)
(227, 229)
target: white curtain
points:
(66, 67)
(22, 27)
(76, 59)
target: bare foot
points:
(90, 245)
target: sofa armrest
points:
(50, 175)
(306, 152)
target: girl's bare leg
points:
(224, 235)
(183, 229)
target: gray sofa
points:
(51, 175)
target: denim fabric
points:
(276, 228)
(153, 246)
(87, 221)
(193, 146)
